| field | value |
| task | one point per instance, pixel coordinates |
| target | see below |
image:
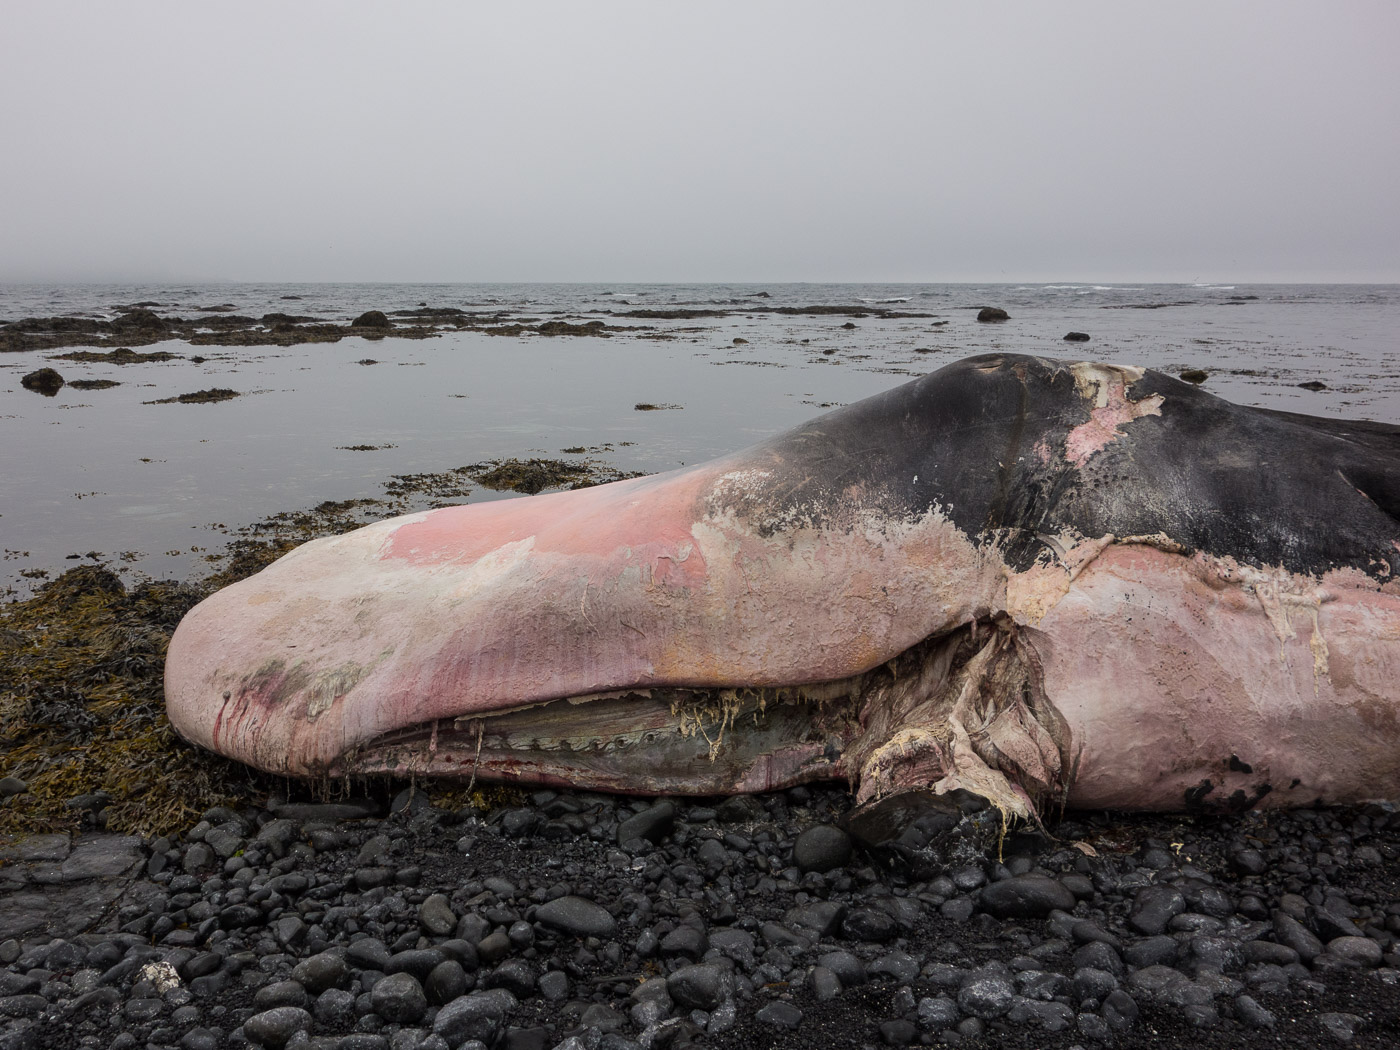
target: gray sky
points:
(700, 142)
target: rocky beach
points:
(564, 920)
(155, 896)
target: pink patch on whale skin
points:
(645, 520)
(1101, 430)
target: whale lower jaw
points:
(961, 710)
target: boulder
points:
(371, 319)
(44, 381)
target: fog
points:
(703, 142)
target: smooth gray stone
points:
(399, 999)
(479, 1015)
(1026, 897)
(435, 915)
(701, 986)
(821, 849)
(986, 995)
(825, 984)
(273, 1028)
(780, 1015)
(577, 916)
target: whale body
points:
(1039, 580)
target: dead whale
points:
(1042, 581)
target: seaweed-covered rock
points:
(140, 319)
(44, 381)
(992, 313)
(372, 319)
(198, 397)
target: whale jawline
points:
(962, 709)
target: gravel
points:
(670, 922)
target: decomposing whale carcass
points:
(1037, 580)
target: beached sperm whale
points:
(1039, 580)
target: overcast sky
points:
(700, 142)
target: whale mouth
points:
(963, 709)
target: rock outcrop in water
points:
(44, 381)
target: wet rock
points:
(576, 916)
(279, 993)
(1292, 933)
(1329, 924)
(1252, 1015)
(480, 1015)
(1120, 1011)
(822, 848)
(1026, 897)
(652, 824)
(992, 313)
(739, 809)
(371, 319)
(869, 925)
(1340, 1026)
(418, 962)
(898, 966)
(1076, 337)
(986, 995)
(821, 918)
(825, 984)
(685, 941)
(1194, 375)
(701, 986)
(516, 976)
(1169, 986)
(1355, 951)
(445, 982)
(399, 999)
(1154, 907)
(436, 917)
(938, 1013)
(848, 969)
(140, 319)
(368, 954)
(1091, 983)
(1248, 862)
(780, 1015)
(1047, 1016)
(44, 381)
(274, 1028)
(335, 1008)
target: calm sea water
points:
(151, 488)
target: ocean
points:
(154, 490)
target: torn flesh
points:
(965, 709)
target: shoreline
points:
(153, 893)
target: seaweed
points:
(199, 397)
(82, 710)
(535, 475)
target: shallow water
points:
(151, 488)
